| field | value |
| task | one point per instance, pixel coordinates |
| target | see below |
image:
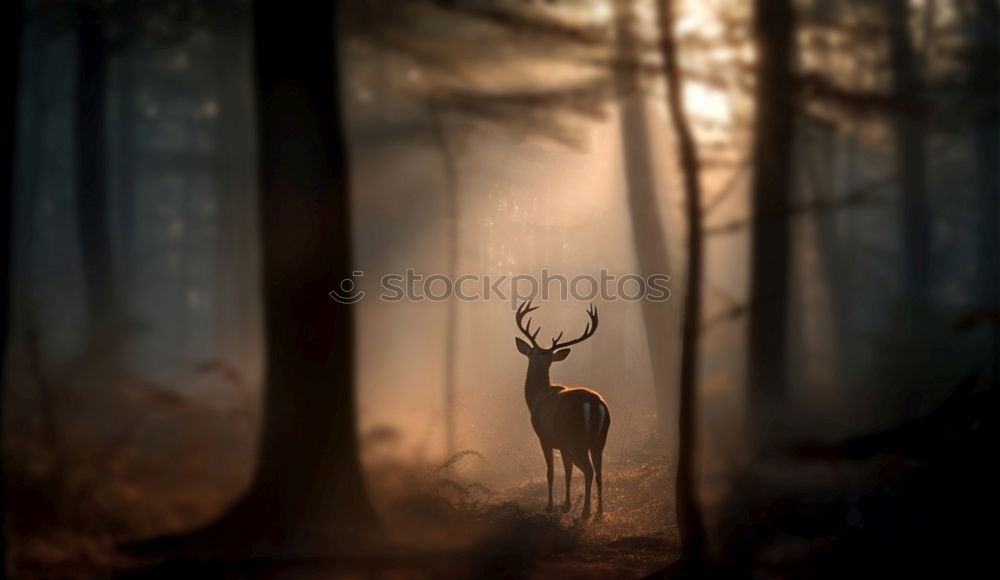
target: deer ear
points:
(522, 347)
(560, 354)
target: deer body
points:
(573, 420)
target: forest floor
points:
(441, 525)
(508, 532)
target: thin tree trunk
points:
(14, 16)
(910, 152)
(92, 196)
(223, 177)
(649, 238)
(125, 155)
(127, 163)
(767, 327)
(689, 517)
(451, 328)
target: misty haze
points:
(500, 288)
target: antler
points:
(523, 310)
(587, 332)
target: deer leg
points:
(598, 460)
(583, 462)
(549, 471)
(567, 458)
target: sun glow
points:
(703, 53)
(708, 104)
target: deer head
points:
(544, 357)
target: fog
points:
(845, 252)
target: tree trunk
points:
(770, 192)
(689, 517)
(125, 157)
(225, 168)
(8, 132)
(910, 152)
(91, 170)
(820, 151)
(308, 488)
(451, 330)
(985, 85)
(307, 496)
(649, 238)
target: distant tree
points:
(648, 233)
(452, 195)
(14, 17)
(770, 192)
(93, 218)
(104, 30)
(911, 154)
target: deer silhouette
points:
(573, 420)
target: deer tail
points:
(600, 421)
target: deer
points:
(574, 420)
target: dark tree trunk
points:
(911, 155)
(308, 487)
(93, 220)
(649, 238)
(985, 85)
(767, 327)
(689, 517)
(8, 130)
(307, 496)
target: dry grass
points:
(507, 531)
